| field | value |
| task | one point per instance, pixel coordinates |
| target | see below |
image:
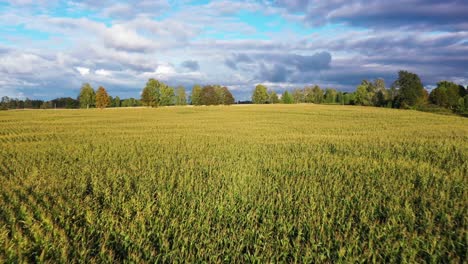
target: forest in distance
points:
(407, 92)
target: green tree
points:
(380, 97)
(461, 105)
(339, 98)
(330, 96)
(410, 89)
(308, 94)
(453, 92)
(438, 96)
(273, 97)
(362, 97)
(151, 94)
(228, 98)
(366, 93)
(181, 97)
(393, 96)
(298, 96)
(4, 104)
(195, 97)
(317, 95)
(379, 84)
(27, 103)
(219, 94)
(167, 95)
(447, 94)
(260, 95)
(209, 95)
(86, 96)
(117, 101)
(46, 105)
(287, 98)
(102, 98)
(131, 102)
(465, 101)
(65, 102)
(346, 98)
(462, 90)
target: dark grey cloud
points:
(277, 73)
(449, 14)
(191, 65)
(235, 59)
(231, 64)
(279, 67)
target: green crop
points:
(258, 183)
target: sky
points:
(49, 48)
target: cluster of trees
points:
(450, 95)
(211, 95)
(405, 92)
(157, 93)
(12, 103)
(62, 102)
(308, 94)
(88, 98)
(101, 99)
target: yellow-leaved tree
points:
(102, 98)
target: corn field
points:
(257, 183)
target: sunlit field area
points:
(268, 183)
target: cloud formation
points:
(432, 14)
(49, 48)
(191, 65)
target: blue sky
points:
(48, 48)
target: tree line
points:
(405, 92)
(88, 98)
(157, 93)
(154, 94)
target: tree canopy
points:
(181, 97)
(260, 95)
(273, 97)
(228, 98)
(167, 95)
(151, 94)
(86, 96)
(102, 98)
(287, 98)
(410, 89)
(209, 95)
(196, 95)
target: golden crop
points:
(267, 183)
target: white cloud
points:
(82, 70)
(165, 70)
(103, 72)
(125, 38)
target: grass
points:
(271, 183)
